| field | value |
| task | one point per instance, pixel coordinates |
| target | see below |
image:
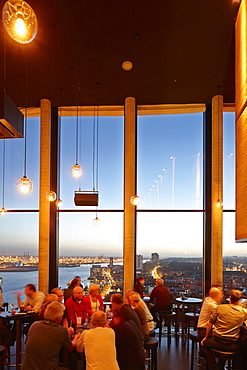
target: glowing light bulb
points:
(24, 185)
(20, 27)
(3, 212)
(219, 203)
(76, 170)
(96, 221)
(59, 203)
(135, 200)
(51, 196)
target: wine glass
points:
(11, 305)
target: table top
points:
(17, 316)
(189, 300)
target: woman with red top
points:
(93, 301)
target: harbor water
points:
(15, 281)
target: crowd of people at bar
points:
(116, 340)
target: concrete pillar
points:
(44, 204)
(129, 190)
(217, 189)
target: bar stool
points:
(2, 350)
(168, 317)
(222, 355)
(193, 336)
(188, 318)
(151, 347)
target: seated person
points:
(59, 294)
(149, 317)
(34, 298)
(93, 301)
(162, 299)
(99, 344)
(45, 340)
(139, 285)
(130, 353)
(126, 311)
(47, 300)
(75, 307)
(210, 304)
(135, 304)
(225, 325)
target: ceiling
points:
(182, 52)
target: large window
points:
(170, 178)
(97, 247)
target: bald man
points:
(99, 344)
(209, 306)
(75, 307)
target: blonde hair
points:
(93, 287)
(135, 297)
(50, 298)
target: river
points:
(16, 281)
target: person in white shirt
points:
(34, 299)
(209, 306)
(99, 345)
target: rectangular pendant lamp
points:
(11, 119)
(86, 198)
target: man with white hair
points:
(99, 344)
(209, 306)
(45, 340)
(161, 298)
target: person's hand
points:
(70, 331)
(202, 342)
(76, 337)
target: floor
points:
(174, 357)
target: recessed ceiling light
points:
(127, 65)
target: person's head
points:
(93, 290)
(98, 319)
(78, 293)
(30, 290)
(127, 295)
(117, 317)
(235, 296)
(50, 298)
(78, 279)
(140, 280)
(54, 312)
(159, 282)
(134, 299)
(215, 294)
(58, 293)
(117, 299)
(74, 283)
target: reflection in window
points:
(110, 160)
(170, 161)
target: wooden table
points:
(19, 319)
(186, 301)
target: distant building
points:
(155, 258)
(111, 262)
(139, 261)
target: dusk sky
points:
(169, 163)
